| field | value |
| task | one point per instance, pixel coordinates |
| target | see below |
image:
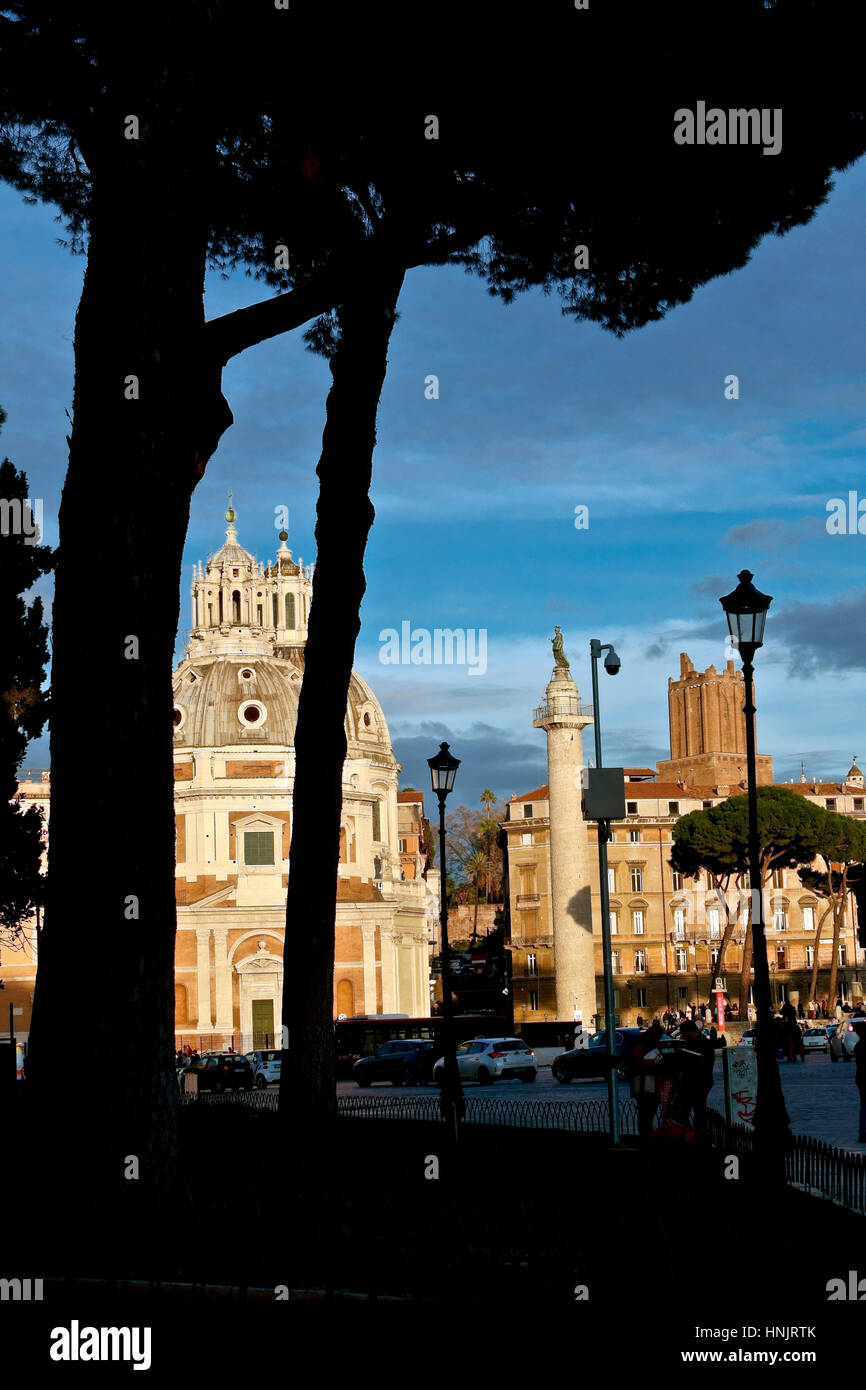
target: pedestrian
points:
(644, 1081)
(860, 1074)
(837, 1008)
(699, 1079)
(801, 1012)
(640, 1022)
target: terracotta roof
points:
(639, 771)
(646, 791)
(540, 794)
(410, 795)
(814, 788)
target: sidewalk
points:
(821, 1097)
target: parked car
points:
(221, 1071)
(721, 1040)
(748, 1038)
(405, 1062)
(816, 1040)
(845, 1038)
(485, 1060)
(266, 1067)
(591, 1060)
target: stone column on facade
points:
(406, 976)
(389, 963)
(223, 981)
(368, 956)
(570, 866)
(202, 948)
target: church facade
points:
(236, 699)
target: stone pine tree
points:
(842, 849)
(24, 702)
(717, 840)
(215, 138)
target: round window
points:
(366, 721)
(247, 675)
(178, 716)
(252, 713)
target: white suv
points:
(486, 1059)
(845, 1038)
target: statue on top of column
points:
(558, 654)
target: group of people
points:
(186, 1057)
(679, 1079)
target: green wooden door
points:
(263, 1023)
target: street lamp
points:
(443, 770)
(746, 611)
(612, 664)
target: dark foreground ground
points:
(540, 1226)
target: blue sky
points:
(475, 492)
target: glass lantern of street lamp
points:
(746, 610)
(443, 770)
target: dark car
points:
(406, 1062)
(592, 1060)
(221, 1071)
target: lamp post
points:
(746, 611)
(443, 770)
(612, 664)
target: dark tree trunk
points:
(344, 516)
(101, 1059)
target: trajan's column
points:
(562, 717)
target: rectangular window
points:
(706, 805)
(631, 808)
(614, 924)
(682, 958)
(781, 958)
(714, 957)
(713, 921)
(640, 962)
(778, 878)
(611, 880)
(808, 919)
(843, 953)
(637, 880)
(830, 803)
(810, 956)
(637, 922)
(673, 808)
(527, 812)
(259, 847)
(614, 962)
(780, 921)
(682, 993)
(677, 881)
(858, 803)
(533, 1000)
(526, 837)
(401, 846)
(679, 921)
(641, 997)
(531, 963)
(783, 992)
(634, 837)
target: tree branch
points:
(233, 333)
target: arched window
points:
(236, 606)
(345, 997)
(180, 1004)
(290, 610)
(377, 821)
(276, 610)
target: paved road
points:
(821, 1096)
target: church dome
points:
(224, 700)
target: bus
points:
(362, 1034)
